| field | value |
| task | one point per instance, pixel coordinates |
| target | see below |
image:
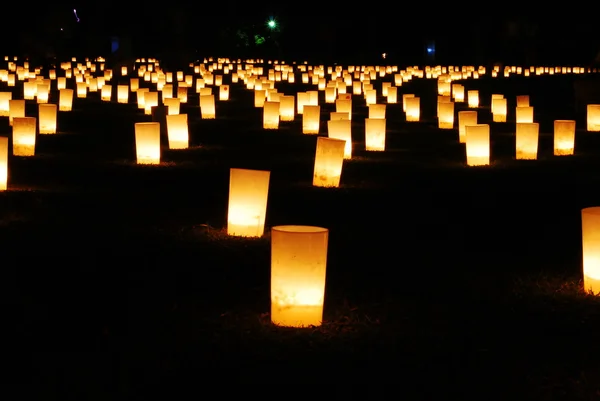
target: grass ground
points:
(443, 281)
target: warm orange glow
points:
(523, 101)
(526, 140)
(82, 90)
(65, 101)
(311, 119)
(466, 117)
(329, 159)
(524, 114)
(16, 108)
(207, 107)
(123, 94)
(413, 109)
(344, 106)
(473, 99)
(3, 163)
(271, 115)
(287, 108)
(590, 230)
(5, 97)
(248, 194)
(564, 137)
(150, 101)
(593, 117)
(177, 131)
(298, 270)
(106, 93)
(47, 115)
(341, 129)
(478, 144)
(24, 135)
(377, 110)
(375, 134)
(499, 110)
(446, 115)
(147, 143)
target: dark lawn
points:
(446, 281)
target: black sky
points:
(330, 30)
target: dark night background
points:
(181, 32)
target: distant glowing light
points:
(430, 50)
(76, 17)
(384, 55)
(272, 24)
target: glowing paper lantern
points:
(287, 108)
(593, 117)
(458, 93)
(29, 90)
(526, 140)
(3, 163)
(65, 100)
(167, 91)
(82, 90)
(590, 230)
(5, 97)
(370, 97)
(182, 92)
(524, 114)
(523, 101)
(177, 131)
(207, 107)
(271, 115)
(564, 137)
(413, 109)
(405, 96)
(311, 119)
(260, 96)
(43, 93)
(47, 118)
(106, 93)
(330, 94)
(224, 92)
(499, 110)
(147, 143)
(122, 94)
(173, 105)
(446, 115)
(298, 270)
(329, 159)
(392, 95)
(150, 101)
(248, 194)
(337, 115)
(478, 144)
(377, 111)
(141, 97)
(473, 99)
(16, 108)
(134, 84)
(341, 129)
(302, 99)
(344, 106)
(23, 137)
(375, 134)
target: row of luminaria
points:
(298, 253)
